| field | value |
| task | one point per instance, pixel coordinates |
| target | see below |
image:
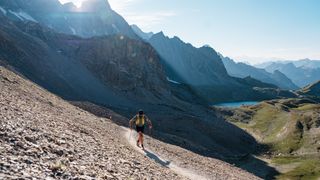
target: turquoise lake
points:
(236, 104)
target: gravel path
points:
(131, 136)
(186, 163)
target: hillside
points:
(311, 90)
(43, 136)
(289, 131)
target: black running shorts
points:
(140, 129)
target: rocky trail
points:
(45, 137)
(184, 162)
(131, 136)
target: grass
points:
(286, 160)
(292, 140)
(284, 126)
(308, 169)
(308, 107)
(269, 122)
(278, 128)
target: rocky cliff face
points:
(130, 66)
(198, 67)
(94, 18)
(30, 49)
(203, 70)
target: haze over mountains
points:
(302, 72)
(91, 54)
(243, 70)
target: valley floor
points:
(43, 136)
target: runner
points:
(139, 121)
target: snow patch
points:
(26, 16)
(16, 14)
(172, 81)
(3, 11)
(73, 30)
(23, 16)
(115, 28)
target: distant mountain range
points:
(301, 72)
(307, 63)
(243, 70)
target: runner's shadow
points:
(157, 159)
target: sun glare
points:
(75, 2)
(117, 5)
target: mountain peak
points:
(95, 6)
(305, 59)
(160, 33)
(140, 33)
(207, 46)
(70, 6)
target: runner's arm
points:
(149, 122)
(132, 121)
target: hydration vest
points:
(140, 120)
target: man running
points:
(139, 121)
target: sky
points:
(245, 30)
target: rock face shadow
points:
(156, 158)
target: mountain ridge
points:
(94, 18)
(203, 70)
(243, 70)
(301, 76)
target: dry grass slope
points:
(291, 130)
